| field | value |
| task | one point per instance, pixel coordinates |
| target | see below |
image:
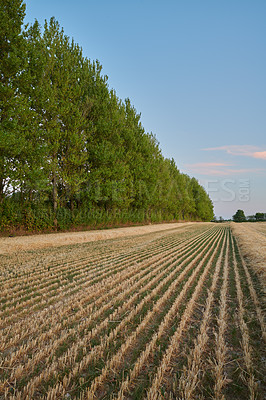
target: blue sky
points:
(195, 70)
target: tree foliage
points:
(12, 104)
(71, 151)
(259, 216)
(239, 216)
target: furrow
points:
(191, 376)
(154, 391)
(73, 285)
(26, 330)
(114, 363)
(95, 351)
(253, 294)
(247, 350)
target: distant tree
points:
(239, 216)
(260, 216)
(221, 219)
(251, 218)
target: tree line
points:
(72, 152)
(240, 216)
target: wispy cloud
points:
(210, 164)
(208, 168)
(220, 169)
(260, 154)
(241, 150)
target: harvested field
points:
(14, 244)
(251, 238)
(173, 314)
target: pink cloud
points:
(220, 169)
(209, 164)
(260, 154)
(241, 150)
(246, 170)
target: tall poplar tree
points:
(58, 96)
(12, 104)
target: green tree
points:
(68, 143)
(12, 104)
(239, 216)
(109, 175)
(260, 216)
(203, 205)
(58, 74)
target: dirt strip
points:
(14, 244)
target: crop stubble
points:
(175, 315)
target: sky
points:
(195, 71)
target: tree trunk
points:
(1, 191)
(71, 204)
(2, 174)
(30, 196)
(55, 199)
